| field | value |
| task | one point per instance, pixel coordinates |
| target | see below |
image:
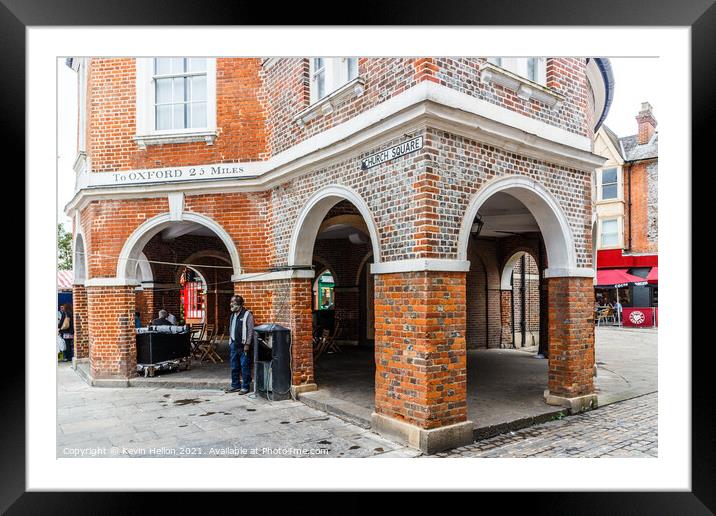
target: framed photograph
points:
(419, 243)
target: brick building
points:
(419, 183)
(625, 191)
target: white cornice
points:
(111, 282)
(427, 104)
(420, 265)
(575, 272)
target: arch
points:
(506, 276)
(311, 217)
(144, 272)
(355, 221)
(79, 263)
(141, 236)
(362, 264)
(489, 261)
(550, 217)
(209, 253)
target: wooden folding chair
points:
(203, 342)
(322, 343)
(333, 347)
(210, 348)
(196, 334)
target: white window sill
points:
(144, 140)
(609, 201)
(526, 89)
(327, 104)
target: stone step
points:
(342, 409)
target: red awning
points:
(653, 276)
(617, 278)
(65, 280)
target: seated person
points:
(162, 319)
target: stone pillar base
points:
(428, 441)
(575, 405)
(304, 387)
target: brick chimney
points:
(647, 124)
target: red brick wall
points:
(144, 304)
(420, 347)
(571, 336)
(112, 339)
(240, 119)
(79, 310)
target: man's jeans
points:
(240, 365)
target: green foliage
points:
(64, 248)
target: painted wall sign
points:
(174, 174)
(396, 151)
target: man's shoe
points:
(243, 391)
(232, 389)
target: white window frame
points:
(145, 117)
(620, 233)
(519, 66)
(335, 74)
(600, 194)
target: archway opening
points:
(506, 318)
(343, 323)
(185, 268)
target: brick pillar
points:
(301, 324)
(421, 374)
(112, 342)
(506, 318)
(571, 341)
(79, 309)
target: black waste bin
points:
(272, 361)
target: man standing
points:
(241, 335)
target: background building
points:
(625, 192)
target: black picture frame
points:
(700, 15)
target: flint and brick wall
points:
(287, 90)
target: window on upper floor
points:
(532, 68)
(610, 233)
(609, 184)
(329, 74)
(180, 95)
(176, 100)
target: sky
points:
(635, 80)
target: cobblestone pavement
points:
(164, 422)
(624, 429)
